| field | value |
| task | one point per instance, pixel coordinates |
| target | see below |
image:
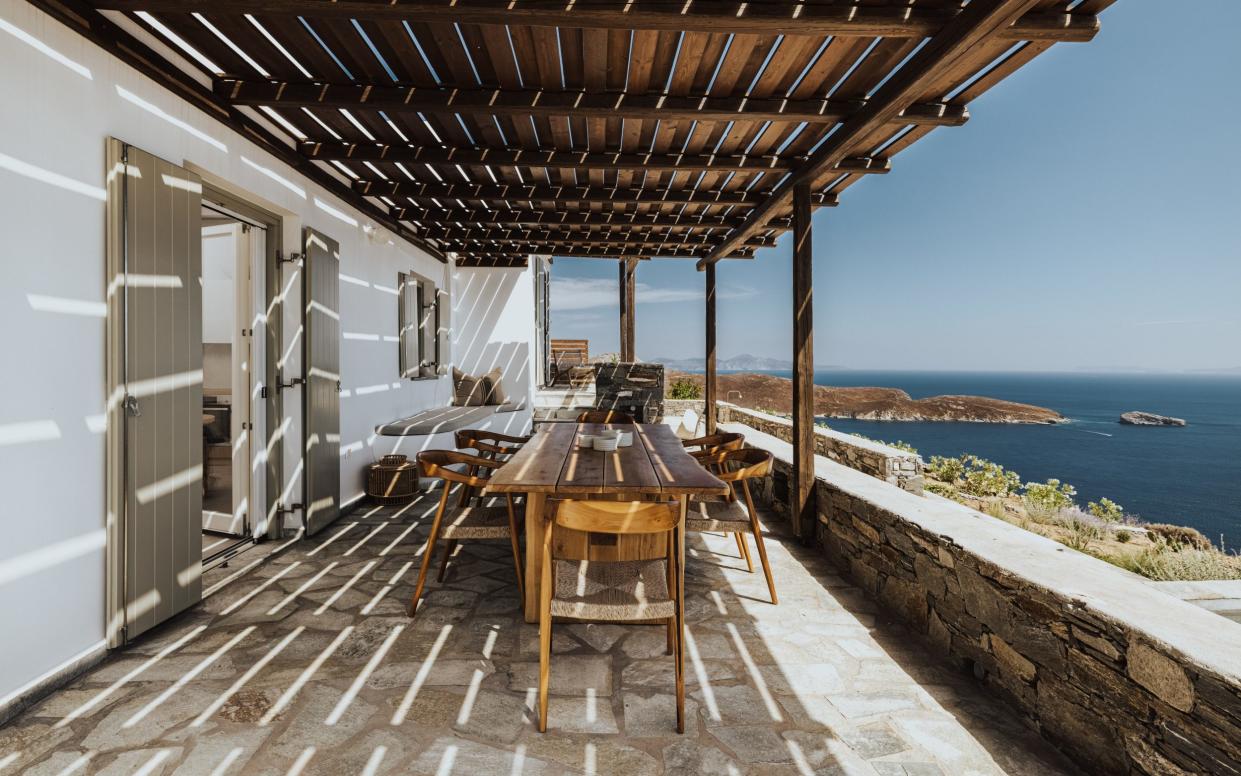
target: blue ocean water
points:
(1189, 476)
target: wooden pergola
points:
(621, 129)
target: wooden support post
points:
(709, 383)
(802, 510)
(628, 275)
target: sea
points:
(1187, 476)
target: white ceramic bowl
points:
(606, 444)
(625, 439)
(586, 441)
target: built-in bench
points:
(442, 420)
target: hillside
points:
(775, 394)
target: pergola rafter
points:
(580, 160)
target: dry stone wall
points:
(1111, 692)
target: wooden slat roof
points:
(616, 128)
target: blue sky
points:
(1086, 216)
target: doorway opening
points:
(233, 249)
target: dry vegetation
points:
(1157, 551)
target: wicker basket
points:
(394, 480)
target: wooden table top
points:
(552, 463)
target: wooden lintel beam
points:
(583, 104)
(343, 151)
(644, 247)
(570, 221)
(773, 17)
(976, 25)
(545, 193)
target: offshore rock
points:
(1149, 419)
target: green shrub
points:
(1049, 498)
(683, 388)
(1123, 536)
(1106, 510)
(996, 509)
(986, 479)
(1180, 536)
(947, 470)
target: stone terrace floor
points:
(309, 664)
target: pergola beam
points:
(577, 104)
(583, 252)
(570, 194)
(596, 247)
(802, 512)
(344, 151)
(979, 22)
(790, 17)
(569, 221)
(637, 237)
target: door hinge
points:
(296, 381)
(245, 229)
(293, 258)
(281, 509)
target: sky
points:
(1086, 217)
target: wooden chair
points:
(714, 443)
(614, 591)
(729, 516)
(489, 444)
(464, 522)
(606, 416)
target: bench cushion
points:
(442, 419)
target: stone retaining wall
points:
(898, 467)
(1123, 678)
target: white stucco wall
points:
(64, 97)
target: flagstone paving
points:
(309, 664)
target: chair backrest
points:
(488, 441)
(618, 517)
(570, 352)
(435, 463)
(605, 416)
(743, 464)
(718, 443)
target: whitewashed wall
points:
(493, 325)
(64, 97)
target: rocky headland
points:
(775, 394)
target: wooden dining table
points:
(552, 466)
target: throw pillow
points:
(495, 389)
(468, 391)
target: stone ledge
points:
(897, 467)
(1122, 676)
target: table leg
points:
(534, 553)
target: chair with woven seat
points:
(464, 522)
(489, 444)
(729, 515)
(614, 591)
(712, 444)
(606, 416)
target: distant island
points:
(771, 393)
(1149, 419)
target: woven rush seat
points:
(476, 522)
(721, 516)
(620, 590)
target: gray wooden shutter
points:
(155, 384)
(322, 401)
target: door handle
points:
(132, 409)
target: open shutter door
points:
(155, 375)
(322, 402)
